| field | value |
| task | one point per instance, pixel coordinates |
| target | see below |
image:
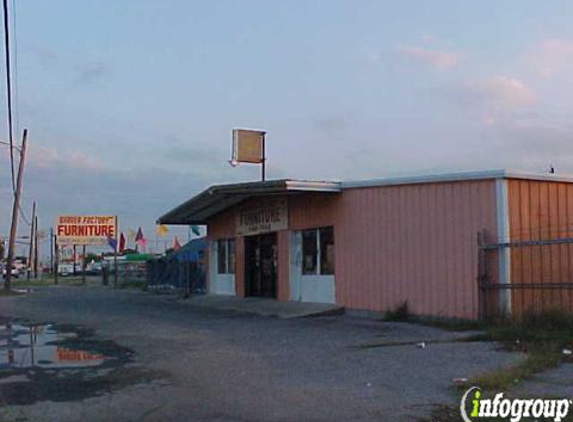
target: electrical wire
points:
(16, 96)
(9, 90)
(23, 215)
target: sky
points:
(130, 104)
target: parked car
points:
(65, 269)
(94, 268)
(15, 272)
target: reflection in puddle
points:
(24, 346)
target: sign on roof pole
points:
(249, 147)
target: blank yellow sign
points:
(248, 146)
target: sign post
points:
(115, 257)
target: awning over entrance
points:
(218, 198)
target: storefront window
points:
(231, 256)
(318, 251)
(326, 235)
(226, 256)
(309, 252)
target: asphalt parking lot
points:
(164, 360)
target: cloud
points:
(441, 60)
(551, 56)
(80, 160)
(43, 157)
(84, 71)
(47, 158)
(493, 98)
(427, 38)
(502, 92)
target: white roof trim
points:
(458, 177)
(312, 186)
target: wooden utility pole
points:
(36, 247)
(83, 264)
(74, 272)
(51, 249)
(115, 256)
(56, 259)
(15, 209)
(31, 251)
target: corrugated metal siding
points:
(313, 210)
(416, 243)
(240, 266)
(222, 225)
(541, 210)
(283, 265)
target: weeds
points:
(541, 336)
(400, 314)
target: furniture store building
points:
(372, 245)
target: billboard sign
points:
(263, 217)
(248, 146)
(85, 229)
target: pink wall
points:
(393, 243)
(413, 242)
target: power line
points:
(23, 215)
(15, 69)
(9, 90)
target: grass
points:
(46, 281)
(542, 337)
(452, 414)
(7, 293)
(400, 314)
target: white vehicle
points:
(65, 269)
(15, 272)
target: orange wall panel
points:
(541, 210)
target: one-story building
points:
(374, 244)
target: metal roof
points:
(458, 177)
(218, 198)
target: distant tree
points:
(92, 257)
(2, 250)
(129, 251)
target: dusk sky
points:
(130, 104)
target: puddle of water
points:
(30, 346)
(61, 362)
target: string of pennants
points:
(140, 240)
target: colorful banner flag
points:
(130, 235)
(112, 242)
(139, 236)
(161, 230)
(176, 245)
(121, 243)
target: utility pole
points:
(56, 259)
(15, 208)
(36, 247)
(51, 249)
(83, 264)
(31, 251)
